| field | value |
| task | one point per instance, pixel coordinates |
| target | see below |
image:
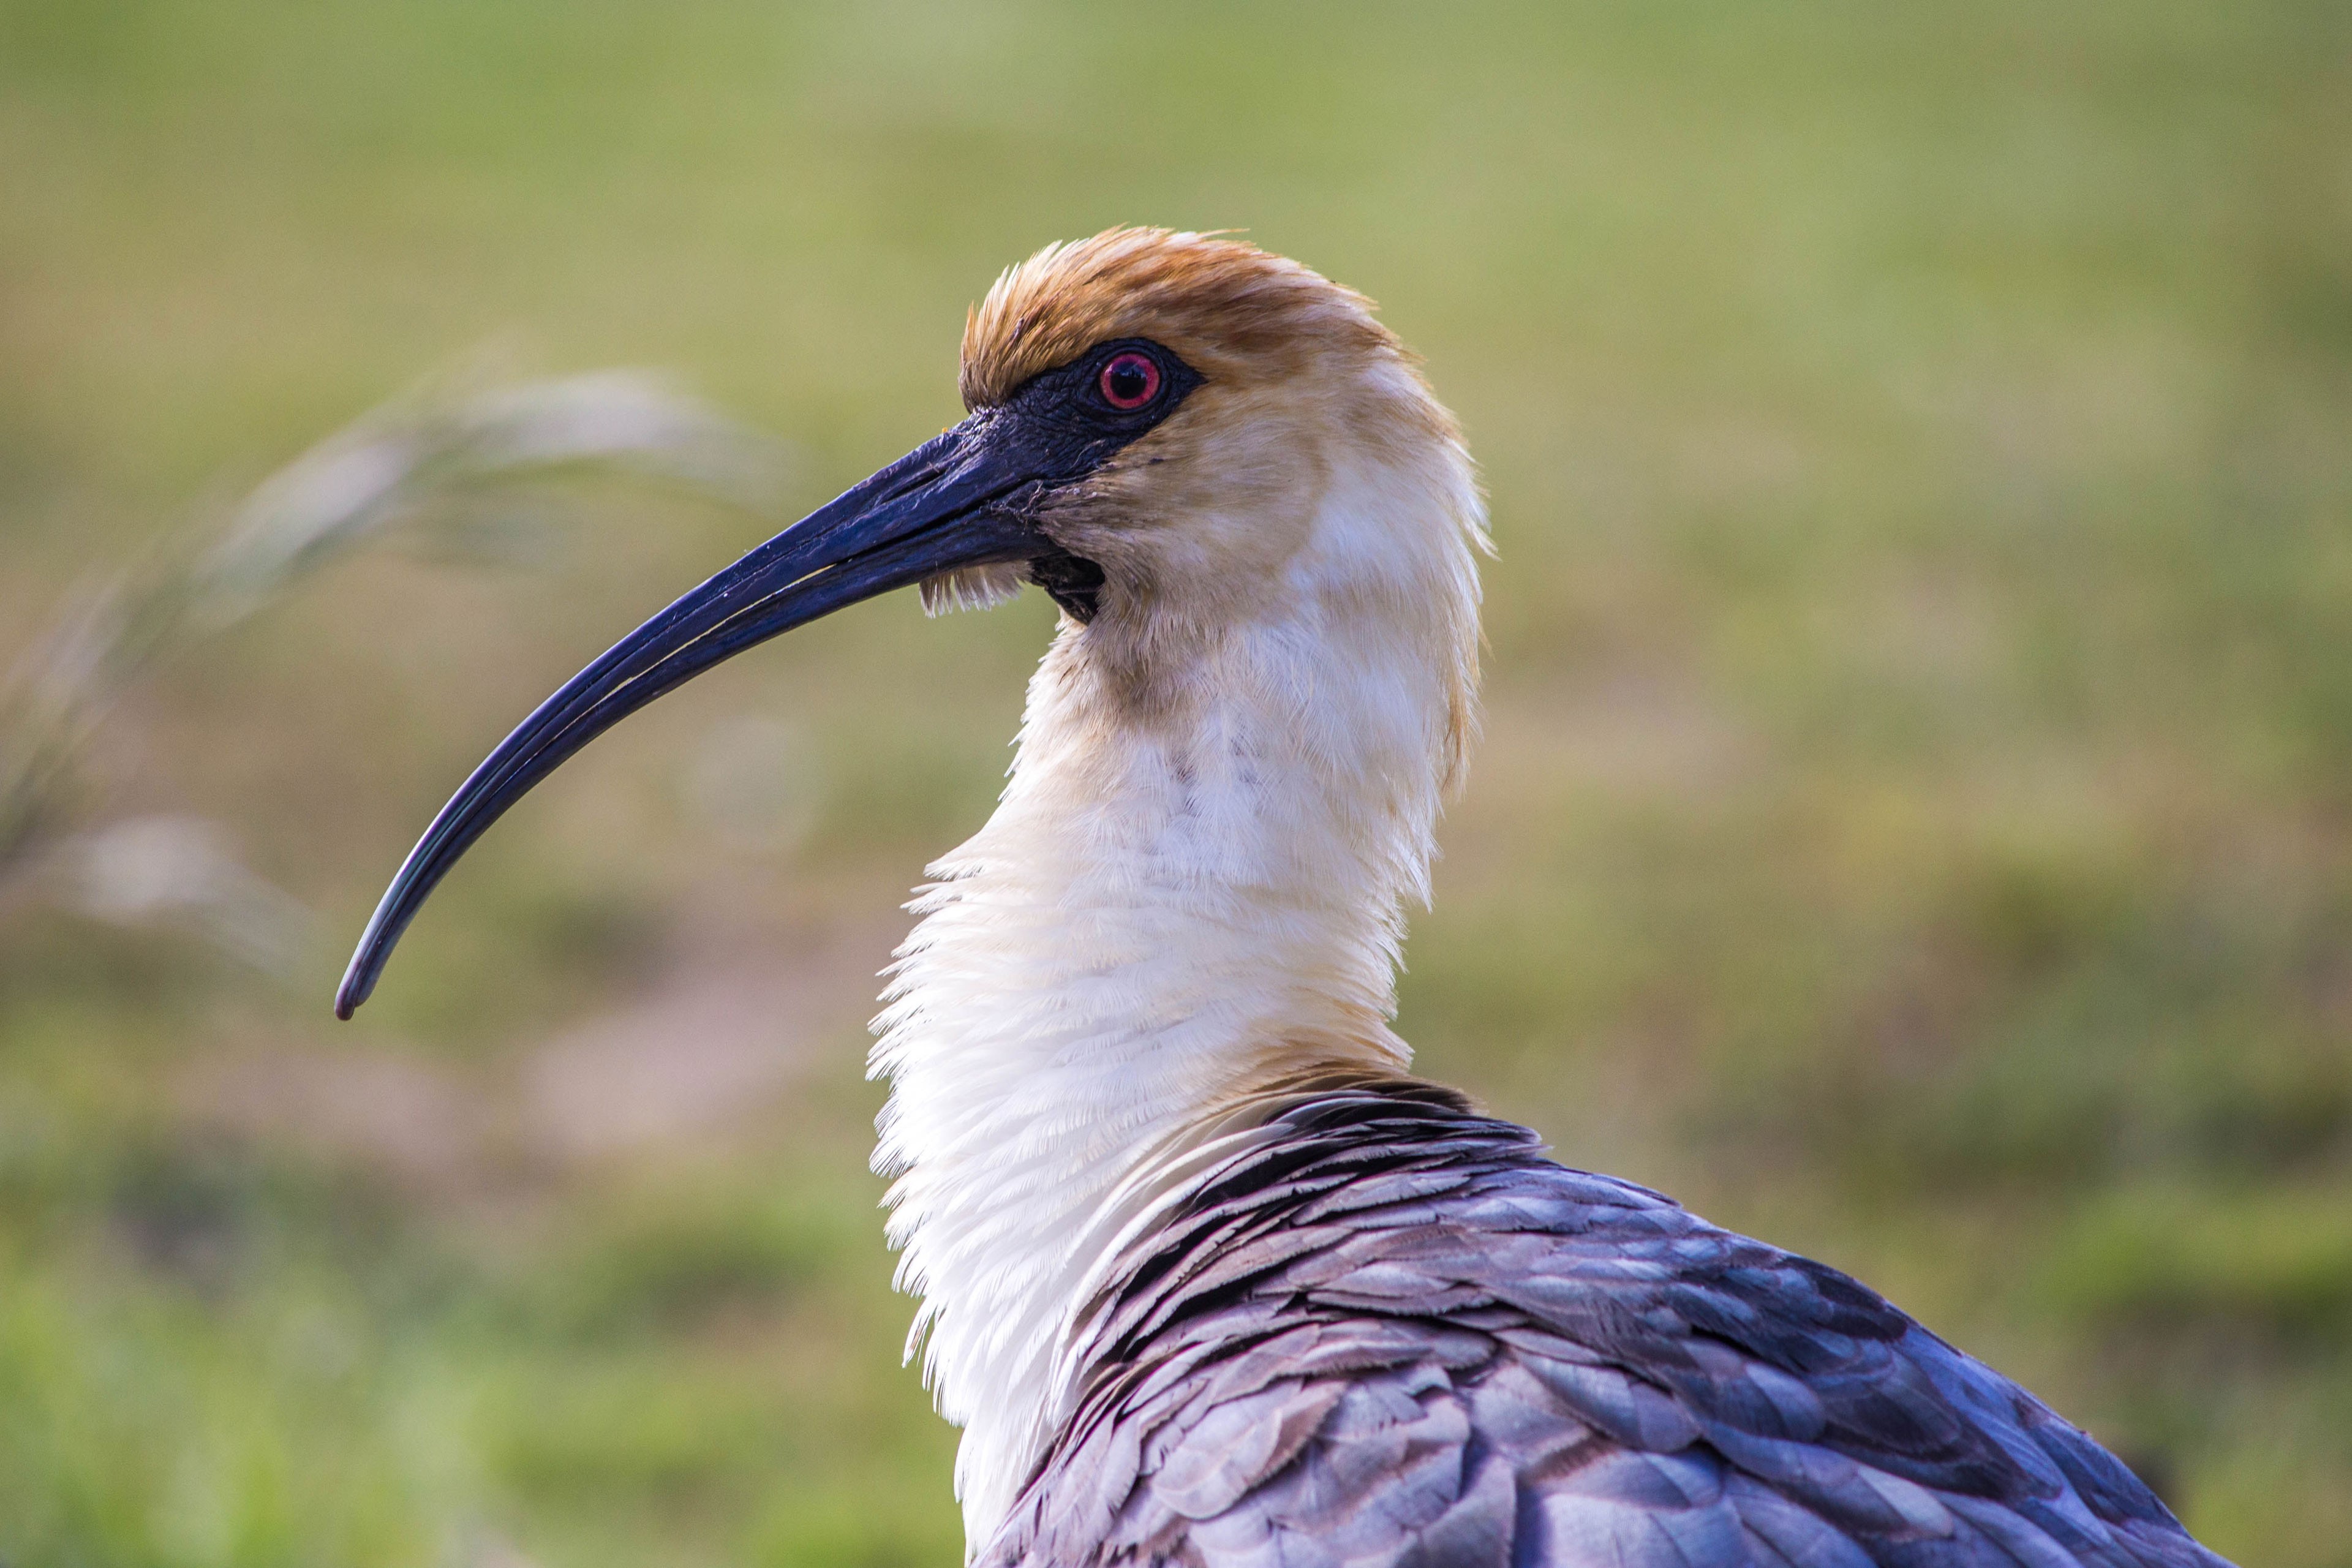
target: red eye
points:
(1129, 381)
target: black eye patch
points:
(1089, 408)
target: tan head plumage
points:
(1231, 311)
(1305, 400)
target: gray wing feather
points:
(1399, 1336)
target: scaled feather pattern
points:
(1393, 1333)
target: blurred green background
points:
(1915, 822)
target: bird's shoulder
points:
(1396, 1334)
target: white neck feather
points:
(1167, 907)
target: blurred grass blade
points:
(148, 870)
(442, 449)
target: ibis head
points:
(1157, 426)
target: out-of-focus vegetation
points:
(447, 465)
(1915, 822)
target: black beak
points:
(961, 499)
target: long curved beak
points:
(960, 499)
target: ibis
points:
(1207, 1277)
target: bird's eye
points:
(1129, 380)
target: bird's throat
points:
(1073, 582)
